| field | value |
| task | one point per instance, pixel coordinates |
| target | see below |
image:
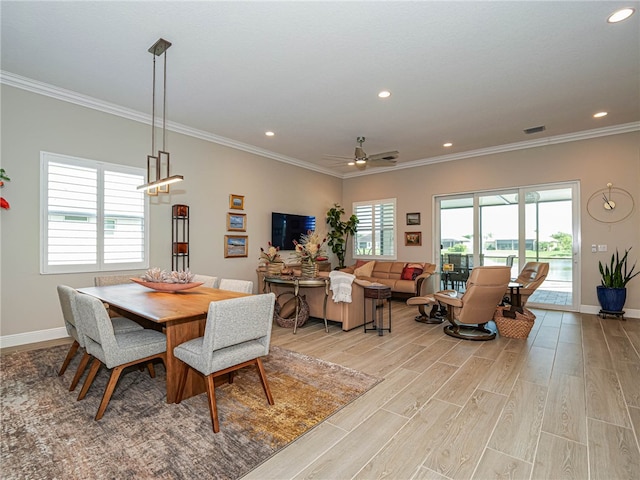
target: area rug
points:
(47, 434)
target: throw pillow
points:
(365, 270)
(415, 265)
(360, 263)
(410, 273)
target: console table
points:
(301, 282)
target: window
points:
(376, 235)
(93, 217)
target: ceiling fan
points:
(361, 160)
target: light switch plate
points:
(602, 248)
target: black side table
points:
(378, 294)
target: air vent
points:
(531, 130)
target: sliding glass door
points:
(512, 227)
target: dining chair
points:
(531, 277)
(237, 334)
(243, 286)
(468, 313)
(207, 281)
(114, 350)
(67, 296)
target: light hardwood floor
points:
(563, 404)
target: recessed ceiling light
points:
(448, 144)
(620, 15)
(384, 94)
(351, 163)
(269, 134)
(599, 114)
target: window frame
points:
(100, 167)
(375, 240)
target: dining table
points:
(180, 315)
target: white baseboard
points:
(628, 313)
(32, 337)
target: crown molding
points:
(34, 86)
(24, 83)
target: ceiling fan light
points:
(360, 161)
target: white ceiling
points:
(472, 73)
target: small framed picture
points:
(236, 202)
(413, 218)
(237, 222)
(236, 246)
(412, 239)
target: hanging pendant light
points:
(156, 164)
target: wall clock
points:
(610, 204)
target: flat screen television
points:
(286, 227)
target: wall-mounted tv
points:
(286, 227)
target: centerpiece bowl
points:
(166, 287)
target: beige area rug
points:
(47, 434)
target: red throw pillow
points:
(410, 273)
(360, 263)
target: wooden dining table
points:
(180, 315)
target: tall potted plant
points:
(612, 292)
(340, 231)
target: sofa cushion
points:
(410, 273)
(365, 270)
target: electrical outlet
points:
(602, 248)
(594, 248)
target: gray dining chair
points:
(67, 296)
(237, 334)
(115, 350)
(207, 281)
(242, 286)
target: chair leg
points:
(213, 408)
(81, 368)
(152, 371)
(182, 382)
(108, 391)
(263, 380)
(90, 376)
(72, 351)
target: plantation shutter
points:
(93, 217)
(376, 233)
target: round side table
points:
(378, 294)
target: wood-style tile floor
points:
(563, 404)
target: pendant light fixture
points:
(156, 164)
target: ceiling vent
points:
(531, 130)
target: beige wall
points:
(593, 163)
(32, 123)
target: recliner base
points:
(470, 332)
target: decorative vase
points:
(274, 268)
(611, 299)
(309, 269)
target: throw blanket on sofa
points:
(341, 286)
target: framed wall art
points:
(412, 239)
(236, 202)
(237, 222)
(236, 246)
(413, 218)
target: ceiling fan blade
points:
(381, 162)
(337, 156)
(385, 156)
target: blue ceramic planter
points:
(611, 299)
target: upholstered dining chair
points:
(115, 350)
(531, 277)
(207, 281)
(237, 334)
(468, 313)
(67, 296)
(243, 286)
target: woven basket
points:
(518, 327)
(303, 312)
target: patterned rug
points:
(47, 434)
